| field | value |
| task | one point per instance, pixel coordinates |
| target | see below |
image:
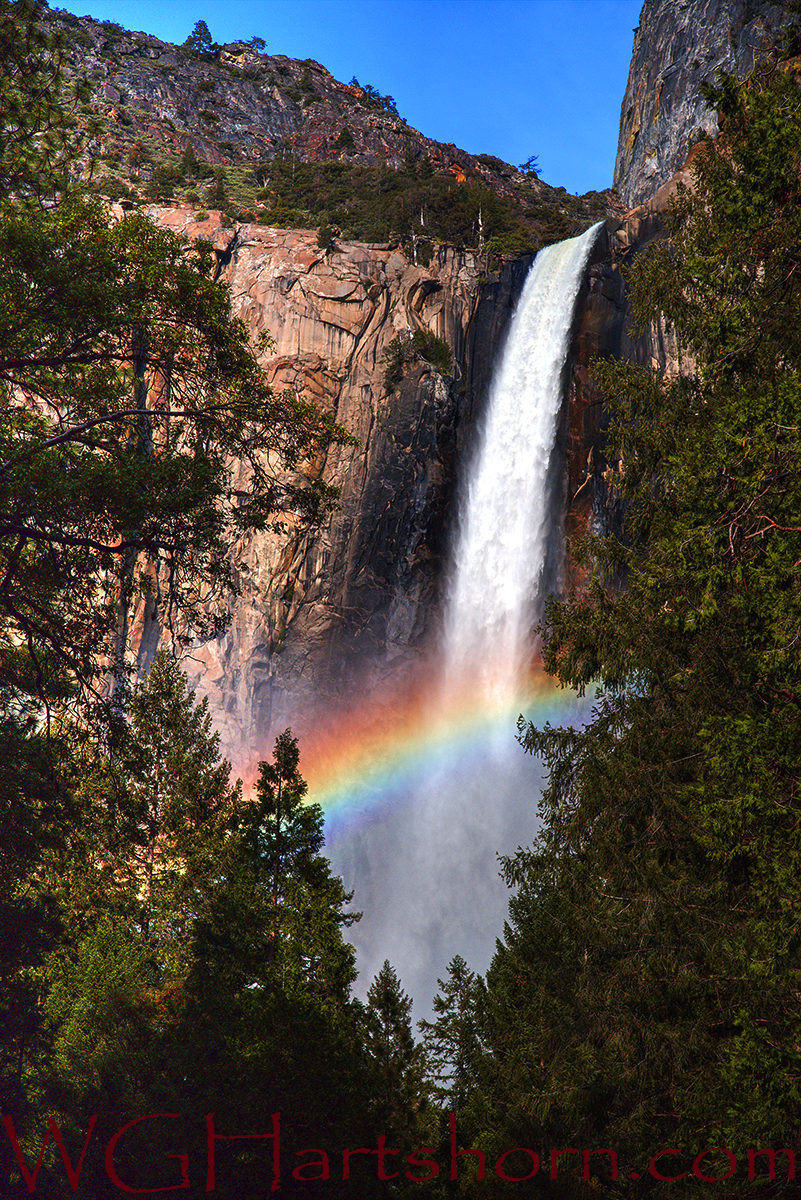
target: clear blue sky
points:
(506, 77)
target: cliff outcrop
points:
(318, 610)
(160, 120)
(678, 45)
(323, 614)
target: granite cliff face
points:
(605, 328)
(678, 45)
(318, 610)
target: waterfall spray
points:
(425, 873)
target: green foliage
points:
(209, 950)
(450, 1042)
(344, 140)
(646, 990)
(390, 1043)
(162, 808)
(279, 893)
(217, 194)
(372, 98)
(138, 156)
(165, 177)
(326, 237)
(125, 334)
(530, 167)
(36, 140)
(165, 945)
(423, 343)
(191, 167)
(490, 160)
(433, 350)
(112, 30)
(374, 204)
(199, 43)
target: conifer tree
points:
(280, 911)
(159, 810)
(391, 1045)
(199, 42)
(127, 390)
(36, 141)
(450, 1042)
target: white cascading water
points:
(425, 872)
(505, 551)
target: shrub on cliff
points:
(403, 349)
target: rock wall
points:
(319, 610)
(678, 45)
(605, 328)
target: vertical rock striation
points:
(678, 45)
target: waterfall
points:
(504, 560)
(425, 870)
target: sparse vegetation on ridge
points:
(350, 159)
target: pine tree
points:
(167, 806)
(127, 391)
(391, 1045)
(450, 1042)
(278, 915)
(199, 42)
(217, 195)
(190, 163)
(36, 140)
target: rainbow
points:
(375, 755)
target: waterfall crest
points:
(508, 522)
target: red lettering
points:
(274, 1137)
(715, 1178)
(771, 1155)
(665, 1178)
(555, 1155)
(535, 1158)
(52, 1129)
(612, 1155)
(114, 1177)
(382, 1153)
(414, 1161)
(346, 1159)
(459, 1153)
(296, 1174)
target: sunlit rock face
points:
(350, 603)
(678, 45)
